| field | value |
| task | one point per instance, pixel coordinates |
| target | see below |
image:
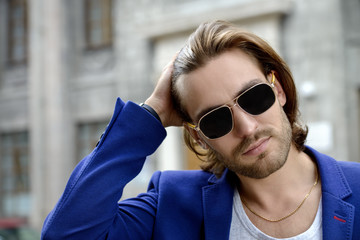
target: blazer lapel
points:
(217, 207)
(338, 218)
(337, 214)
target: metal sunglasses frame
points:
(228, 105)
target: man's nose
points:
(245, 124)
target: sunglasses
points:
(219, 121)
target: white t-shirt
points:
(242, 228)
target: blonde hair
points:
(210, 40)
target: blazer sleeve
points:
(88, 207)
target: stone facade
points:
(64, 85)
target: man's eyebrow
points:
(247, 86)
(243, 89)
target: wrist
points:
(150, 110)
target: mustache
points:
(246, 142)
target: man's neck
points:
(282, 192)
(292, 179)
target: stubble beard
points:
(267, 162)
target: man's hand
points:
(161, 101)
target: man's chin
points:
(261, 168)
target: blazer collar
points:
(338, 215)
(332, 178)
(217, 206)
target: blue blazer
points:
(178, 204)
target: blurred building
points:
(64, 63)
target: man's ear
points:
(196, 136)
(279, 91)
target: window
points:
(17, 31)
(14, 175)
(98, 23)
(88, 136)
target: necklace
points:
(290, 214)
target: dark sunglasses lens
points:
(257, 100)
(217, 123)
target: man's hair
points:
(209, 41)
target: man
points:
(236, 99)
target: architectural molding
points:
(97, 61)
(171, 23)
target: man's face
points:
(258, 145)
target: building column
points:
(50, 119)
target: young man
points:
(236, 99)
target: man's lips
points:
(257, 147)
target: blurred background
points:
(63, 63)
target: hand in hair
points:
(160, 100)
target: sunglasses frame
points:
(235, 102)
